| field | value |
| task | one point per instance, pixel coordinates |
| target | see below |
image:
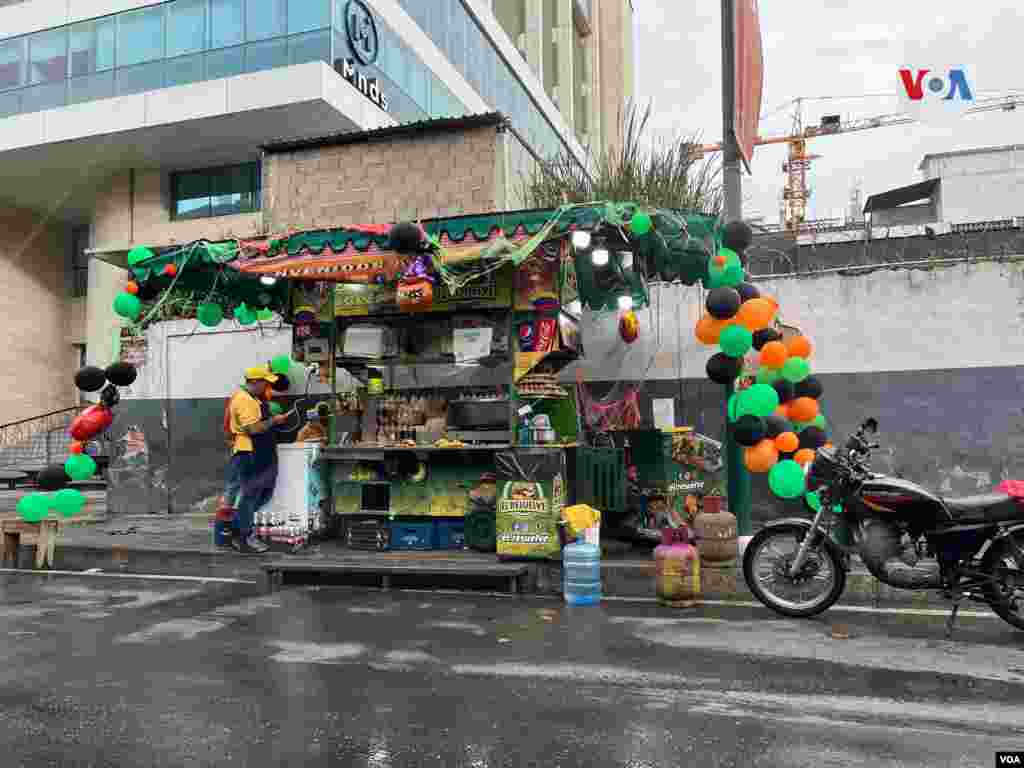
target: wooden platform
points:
(277, 573)
(45, 534)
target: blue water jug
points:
(581, 573)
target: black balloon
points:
(775, 426)
(53, 478)
(737, 235)
(765, 335)
(148, 291)
(785, 390)
(405, 237)
(749, 430)
(813, 437)
(90, 379)
(121, 374)
(748, 291)
(722, 369)
(282, 383)
(723, 303)
(809, 387)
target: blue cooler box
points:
(451, 533)
(416, 536)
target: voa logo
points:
(1009, 758)
(919, 84)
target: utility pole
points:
(737, 476)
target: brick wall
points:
(442, 174)
(36, 374)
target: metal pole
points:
(737, 476)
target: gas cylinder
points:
(677, 569)
(715, 527)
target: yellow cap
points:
(260, 373)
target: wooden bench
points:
(275, 572)
(46, 540)
(11, 477)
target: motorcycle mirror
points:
(870, 425)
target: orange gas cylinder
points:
(677, 569)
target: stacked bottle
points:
(581, 573)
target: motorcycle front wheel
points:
(766, 568)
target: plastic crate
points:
(601, 478)
(406, 537)
(368, 535)
(451, 534)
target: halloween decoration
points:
(171, 270)
(804, 456)
(775, 425)
(121, 374)
(243, 315)
(281, 364)
(139, 254)
(641, 223)
(809, 387)
(76, 447)
(735, 340)
(761, 457)
(93, 421)
(813, 437)
(80, 467)
(723, 303)
(629, 327)
(749, 430)
(68, 502)
(53, 478)
(786, 479)
(210, 314)
(406, 237)
(90, 379)
(803, 409)
(795, 369)
(759, 400)
(110, 396)
(132, 287)
(799, 346)
(774, 354)
(709, 329)
(764, 336)
(737, 235)
(748, 291)
(127, 306)
(784, 389)
(34, 507)
(787, 442)
(415, 289)
(264, 315)
(723, 369)
(756, 314)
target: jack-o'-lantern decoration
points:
(415, 289)
(629, 327)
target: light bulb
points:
(581, 239)
(625, 303)
(600, 257)
(268, 280)
(626, 258)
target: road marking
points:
(315, 653)
(177, 629)
(834, 608)
(149, 576)
(458, 626)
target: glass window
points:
(140, 36)
(457, 37)
(307, 15)
(265, 19)
(183, 70)
(226, 62)
(10, 103)
(92, 46)
(215, 192)
(266, 55)
(186, 27)
(140, 78)
(12, 63)
(226, 23)
(418, 81)
(313, 46)
(44, 96)
(99, 85)
(48, 56)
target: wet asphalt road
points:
(117, 672)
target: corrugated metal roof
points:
(901, 196)
(975, 151)
(434, 125)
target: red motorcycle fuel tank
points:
(903, 500)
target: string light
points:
(600, 257)
(581, 239)
(625, 303)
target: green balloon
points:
(735, 340)
(138, 254)
(813, 500)
(786, 479)
(795, 369)
(276, 409)
(127, 306)
(731, 257)
(640, 223)
(265, 314)
(68, 501)
(33, 507)
(819, 421)
(79, 466)
(731, 406)
(210, 314)
(281, 364)
(244, 315)
(733, 275)
(758, 400)
(766, 375)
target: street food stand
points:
(439, 346)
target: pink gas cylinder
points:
(677, 569)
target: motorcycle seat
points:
(985, 508)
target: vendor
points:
(255, 442)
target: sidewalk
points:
(182, 545)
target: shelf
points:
(373, 453)
(365, 362)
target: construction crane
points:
(796, 192)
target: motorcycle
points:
(908, 537)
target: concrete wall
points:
(36, 376)
(905, 215)
(439, 174)
(102, 326)
(139, 212)
(979, 186)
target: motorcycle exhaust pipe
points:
(882, 552)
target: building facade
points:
(139, 122)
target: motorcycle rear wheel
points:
(756, 558)
(1007, 604)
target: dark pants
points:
(257, 489)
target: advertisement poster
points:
(536, 280)
(531, 494)
(490, 291)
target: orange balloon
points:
(132, 287)
(804, 409)
(709, 328)
(782, 410)
(761, 457)
(719, 261)
(799, 346)
(774, 354)
(756, 314)
(829, 446)
(803, 456)
(787, 442)
(171, 270)
(76, 447)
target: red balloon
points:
(94, 420)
